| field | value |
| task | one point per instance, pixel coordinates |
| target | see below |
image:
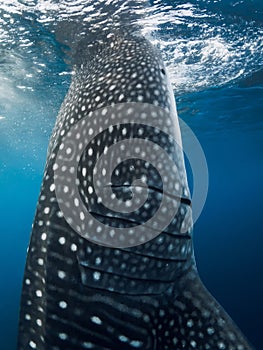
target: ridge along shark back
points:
(93, 283)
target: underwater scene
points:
(212, 52)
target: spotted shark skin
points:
(81, 295)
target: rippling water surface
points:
(214, 53)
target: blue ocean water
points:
(214, 54)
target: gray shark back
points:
(81, 295)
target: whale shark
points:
(90, 282)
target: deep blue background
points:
(228, 235)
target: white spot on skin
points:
(175, 341)
(123, 338)
(96, 319)
(39, 322)
(240, 347)
(96, 275)
(40, 261)
(63, 304)
(136, 343)
(193, 344)
(63, 336)
(61, 274)
(39, 293)
(190, 323)
(69, 150)
(210, 330)
(44, 236)
(98, 260)
(60, 214)
(62, 240)
(73, 247)
(99, 229)
(32, 344)
(161, 313)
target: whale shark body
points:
(79, 294)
